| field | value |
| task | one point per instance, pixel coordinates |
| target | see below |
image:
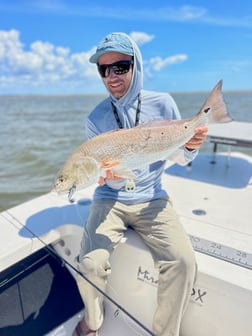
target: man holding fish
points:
(134, 198)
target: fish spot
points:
(206, 110)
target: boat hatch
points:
(36, 295)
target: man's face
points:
(116, 84)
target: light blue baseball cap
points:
(114, 42)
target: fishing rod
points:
(64, 262)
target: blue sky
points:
(186, 45)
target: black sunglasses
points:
(118, 68)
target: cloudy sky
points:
(186, 45)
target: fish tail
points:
(215, 107)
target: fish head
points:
(63, 183)
(76, 174)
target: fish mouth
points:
(59, 192)
(71, 191)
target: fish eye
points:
(207, 109)
(185, 125)
(61, 178)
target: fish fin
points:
(124, 173)
(109, 164)
(119, 172)
(216, 105)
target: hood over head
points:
(122, 43)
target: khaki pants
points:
(158, 225)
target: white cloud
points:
(46, 66)
(43, 62)
(141, 38)
(188, 13)
(157, 63)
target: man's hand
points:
(198, 139)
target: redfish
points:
(125, 150)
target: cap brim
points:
(94, 58)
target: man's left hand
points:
(198, 139)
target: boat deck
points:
(213, 201)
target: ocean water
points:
(39, 132)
